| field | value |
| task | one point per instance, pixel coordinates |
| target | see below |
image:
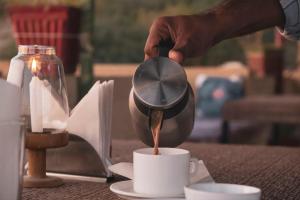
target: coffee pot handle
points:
(164, 47)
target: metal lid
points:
(159, 82)
(36, 49)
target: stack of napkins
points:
(91, 120)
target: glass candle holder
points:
(40, 74)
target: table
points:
(276, 170)
(275, 109)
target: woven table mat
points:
(276, 170)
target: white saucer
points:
(125, 190)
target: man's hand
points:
(192, 35)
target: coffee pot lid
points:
(160, 82)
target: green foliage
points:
(2, 9)
(122, 27)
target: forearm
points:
(192, 35)
(240, 17)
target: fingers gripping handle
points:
(164, 47)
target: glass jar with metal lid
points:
(40, 75)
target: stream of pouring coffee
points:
(156, 120)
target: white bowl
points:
(221, 191)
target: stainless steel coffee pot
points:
(161, 84)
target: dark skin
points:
(193, 35)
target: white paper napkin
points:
(10, 101)
(15, 72)
(84, 120)
(91, 120)
(53, 114)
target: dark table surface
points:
(276, 170)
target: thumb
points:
(176, 55)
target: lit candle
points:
(36, 107)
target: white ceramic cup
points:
(221, 191)
(164, 175)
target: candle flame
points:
(33, 66)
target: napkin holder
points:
(77, 161)
(87, 157)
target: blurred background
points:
(246, 88)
